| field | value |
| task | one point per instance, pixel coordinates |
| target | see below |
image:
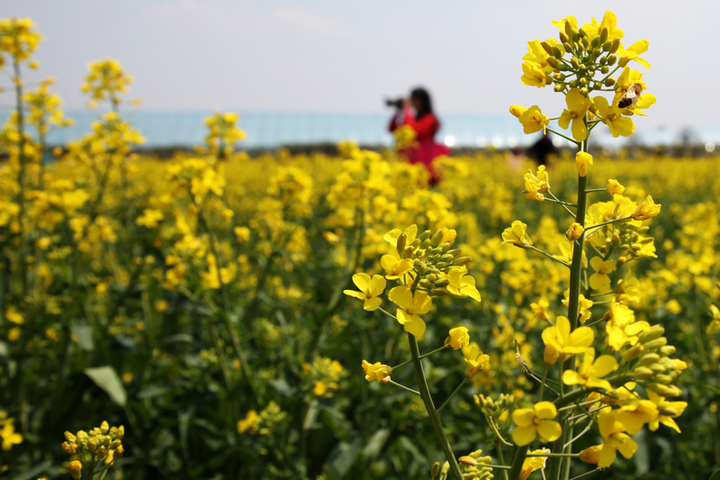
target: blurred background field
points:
(188, 359)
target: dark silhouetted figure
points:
(541, 149)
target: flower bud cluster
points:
(494, 408)
(87, 449)
(472, 466)
(579, 58)
(654, 365)
(433, 257)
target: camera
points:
(397, 103)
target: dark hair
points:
(423, 97)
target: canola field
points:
(215, 316)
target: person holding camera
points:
(417, 113)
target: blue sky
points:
(346, 56)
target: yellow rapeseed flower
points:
(458, 338)
(536, 421)
(577, 107)
(410, 308)
(561, 343)
(590, 373)
(376, 371)
(370, 289)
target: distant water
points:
(274, 129)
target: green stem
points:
(453, 394)
(430, 407)
(532, 247)
(518, 460)
(569, 139)
(590, 190)
(498, 447)
(403, 387)
(562, 204)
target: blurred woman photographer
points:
(417, 113)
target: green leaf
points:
(715, 475)
(106, 378)
(376, 442)
(83, 333)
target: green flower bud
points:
(664, 379)
(437, 238)
(667, 391)
(655, 344)
(614, 47)
(667, 411)
(438, 292)
(70, 437)
(641, 373)
(443, 282)
(559, 88)
(609, 82)
(584, 91)
(460, 261)
(604, 34)
(563, 37)
(657, 368)
(424, 235)
(425, 244)
(667, 350)
(553, 62)
(104, 427)
(654, 332)
(604, 70)
(424, 283)
(611, 60)
(633, 353)
(649, 359)
(435, 469)
(401, 243)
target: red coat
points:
(425, 150)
